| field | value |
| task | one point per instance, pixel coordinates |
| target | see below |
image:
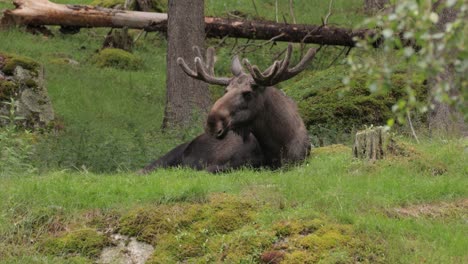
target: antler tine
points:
(210, 60)
(279, 71)
(204, 69)
(205, 76)
(186, 68)
(286, 60)
(303, 63)
(259, 77)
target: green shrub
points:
(117, 58)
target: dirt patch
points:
(434, 210)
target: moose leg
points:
(171, 159)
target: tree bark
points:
(186, 97)
(445, 119)
(43, 12)
(370, 144)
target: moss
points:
(328, 108)
(299, 257)
(156, 5)
(117, 58)
(148, 224)
(13, 61)
(161, 257)
(225, 213)
(7, 89)
(85, 242)
(296, 227)
(324, 241)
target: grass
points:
(331, 186)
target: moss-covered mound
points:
(225, 229)
(328, 108)
(8, 63)
(156, 5)
(117, 58)
(85, 242)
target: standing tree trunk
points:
(185, 96)
(443, 118)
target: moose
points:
(252, 124)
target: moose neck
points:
(280, 130)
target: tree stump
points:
(370, 143)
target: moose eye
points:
(247, 95)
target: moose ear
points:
(236, 66)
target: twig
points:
(255, 7)
(276, 11)
(139, 35)
(336, 58)
(243, 48)
(408, 116)
(291, 11)
(325, 21)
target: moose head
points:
(252, 105)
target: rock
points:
(25, 87)
(127, 251)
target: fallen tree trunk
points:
(43, 12)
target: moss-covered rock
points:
(117, 58)
(23, 89)
(10, 62)
(155, 5)
(7, 89)
(328, 109)
(85, 242)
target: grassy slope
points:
(331, 185)
(105, 131)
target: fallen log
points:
(42, 12)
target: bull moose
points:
(252, 124)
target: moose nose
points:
(219, 133)
(216, 125)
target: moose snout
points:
(217, 125)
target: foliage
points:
(117, 58)
(430, 54)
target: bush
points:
(117, 58)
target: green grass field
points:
(331, 209)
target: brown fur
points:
(269, 115)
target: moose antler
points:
(204, 69)
(279, 70)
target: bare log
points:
(43, 12)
